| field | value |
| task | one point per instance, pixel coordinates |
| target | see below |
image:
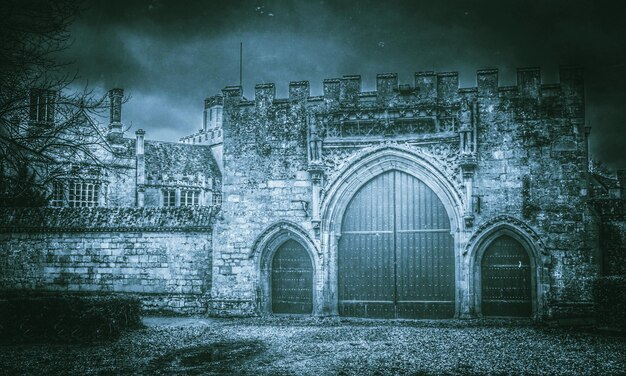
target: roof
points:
(106, 219)
(177, 158)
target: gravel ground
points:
(310, 346)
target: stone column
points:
(316, 169)
(468, 151)
(316, 178)
(330, 297)
(468, 165)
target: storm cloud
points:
(170, 55)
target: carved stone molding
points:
(282, 230)
(443, 155)
(505, 221)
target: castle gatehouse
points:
(419, 200)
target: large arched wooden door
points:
(505, 279)
(396, 252)
(292, 279)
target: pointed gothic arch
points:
(264, 250)
(483, 241)
(363, 169)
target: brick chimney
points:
(116, 131)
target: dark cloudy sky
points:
(170, 55)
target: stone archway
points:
(278, 239)
(396, 252)
(493, 238)
(370, 166)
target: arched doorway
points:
(292, 279)
(396, 251)
(506, 279)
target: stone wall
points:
(119, 177)
(532, 166)
(265, 180)
(612, 235)
(167, 265)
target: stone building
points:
(139, 222)
(420, 200)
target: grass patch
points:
(57, 317)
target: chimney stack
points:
(141, 167)
(115, 102)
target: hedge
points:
(45, 317)
(609, 295)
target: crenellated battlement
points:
(212, 101)
(428, 88)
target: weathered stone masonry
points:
(161, 256)
(504, 160)
(195, 227)
(612, 235)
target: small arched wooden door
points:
(505, 279)
(292, 279)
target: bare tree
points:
(43, 124)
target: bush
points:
(609, 295)
(57, 317)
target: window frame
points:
(169, 198)
(75, 193)
(190, 197)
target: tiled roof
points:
(175, 158)
(106, 219)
